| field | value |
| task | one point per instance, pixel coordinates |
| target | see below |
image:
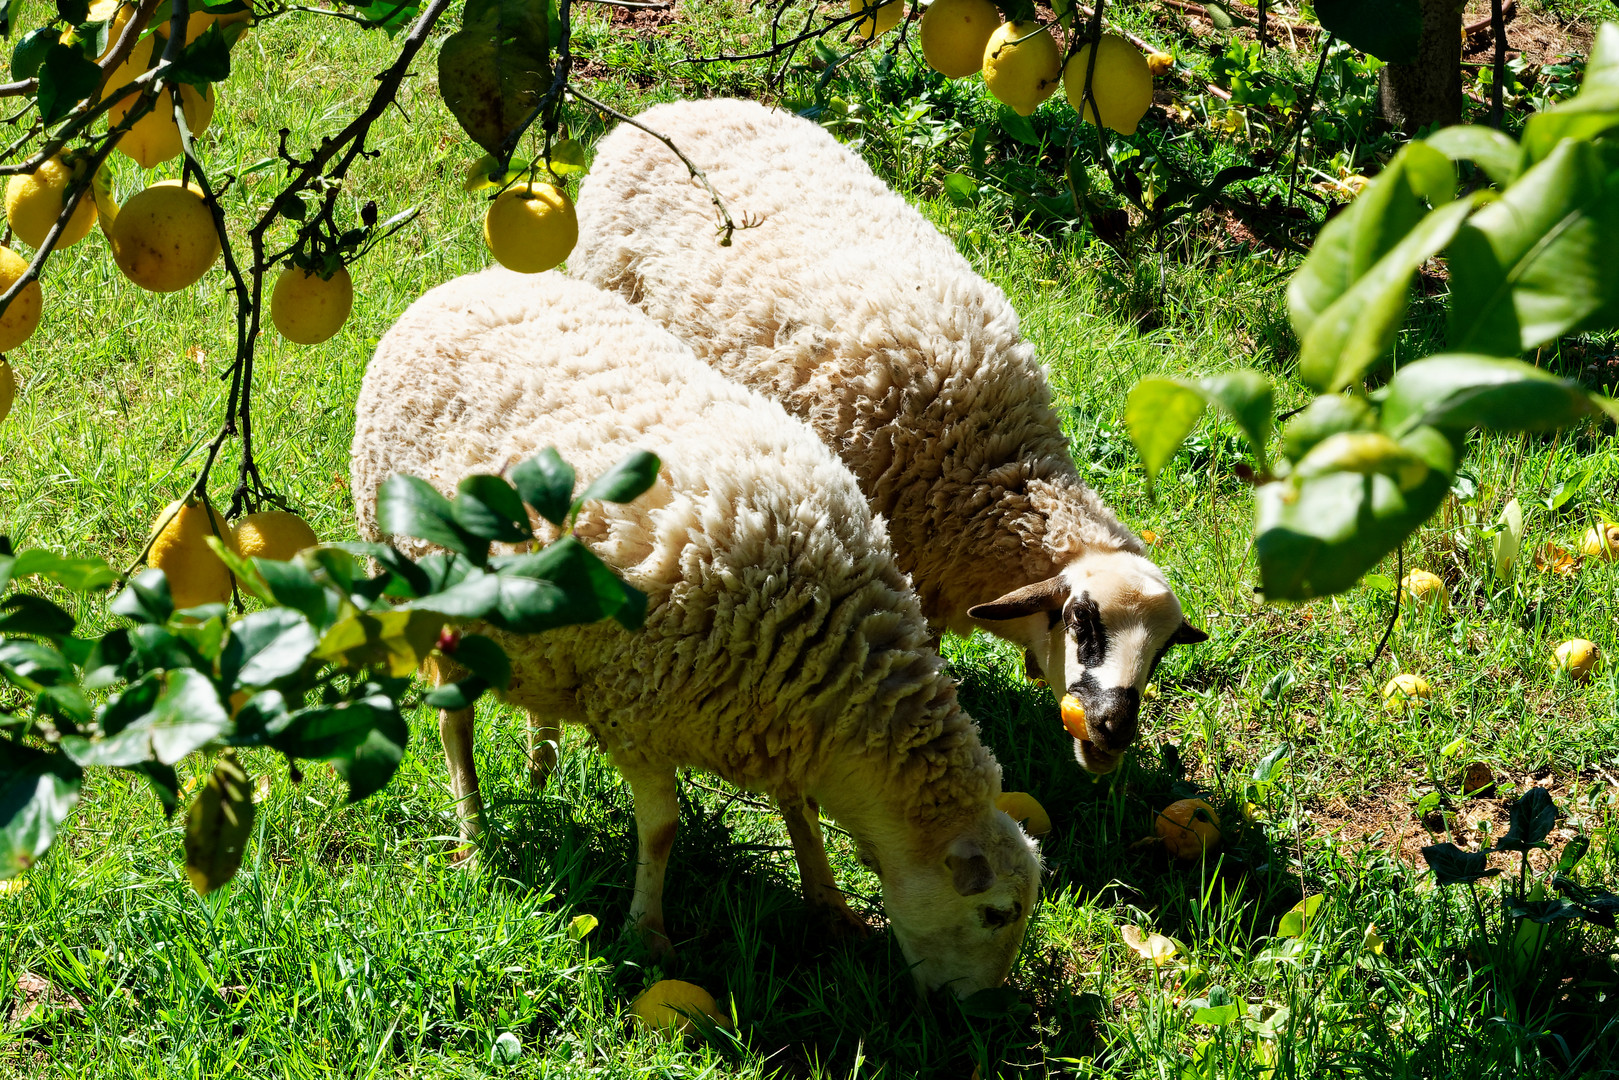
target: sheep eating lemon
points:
(1024, 809)
(308, 308)
(1121, 84)
(1188, 828)
(531, 227)
(954, 34)
(34, 200)
(1022, 65)
(1576, 658)
(196, 575)
(1073, 717)
(667, 1007)
(164, 238)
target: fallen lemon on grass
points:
(1188, 828)
(1159, 63)
(880, 17)
(1022, 65)
(667, 1007)
(955, 33)
(21, 319)
(1404, 690)
(1024, 809)
(277, 535)
(1601, 541)
(1073, 717)
(1576, 658)
(1423, 590)
(308, 308)
(1121, 84)
(196, 575)
(8, 388)
(531, 227)
(164, 238)
(35, 200)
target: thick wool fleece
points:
(782, 642)
(847, 306)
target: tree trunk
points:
(1430, 90)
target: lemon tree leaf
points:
(1159, 414)
(326, 731)
(567, 157)
(265, 646)
(1386, 29)
(1592, 111)
(1488, 148)
(145, 599)
(368, 766)
(481, 656)
(625, 481)
(1458, 392)
(1248, 397)
(546, 482)
(493, 72)
(37, 792)
(489, 507)
(29, 53)
(410, 506)
(218, 826)
(25, 613)
(170, 715)
(65, 79)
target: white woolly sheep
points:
(848, 307)
(783, 648)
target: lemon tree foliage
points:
(320, 671)
(1533, 254)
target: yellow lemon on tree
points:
(1022, 65)
(1121, 84)
(21, 319)
(134, 65)
(101, 11)
(1405, 689)
(273, 534)
(1024, 809)
(531, 227)
(880, 17)
(198, 22)
(196, 575)
(1602, 541)
(667, 1007)
(35, 200)
(8, 388)
(1188, 828)
(164, 238)
(307, 308)
(155, 137)
(954, 34)
(1577, 658)
(1423, 590)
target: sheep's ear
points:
(1047, 595)
(970, 871)
(1187, 634)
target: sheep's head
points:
(1097, 630)
(959, 904)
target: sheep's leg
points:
(543, 739)
(803, 818)
(455, 729)
(657, 811)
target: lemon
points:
(21, 319)
(1188, 828)
(531, 227)
(164, 238)
(272, 534)
(1159, 63)
(155, 137)
(35, 200)
(1601, 541)
(954, 34)
(1073, 717)
(198, 22)
(196, 575)
(1022, 65)
(100, 11)
(1121, 84)
(1024, 809)
(8, 388)
(884, 18)
(1405, 689)
(134, 65)
(1577, 658)
(308, 309)
(666, 1007)
(1423, 590)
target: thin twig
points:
(1498, 83)
(1388, 632)
(1304, 118)
(665, 5)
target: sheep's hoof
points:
(843, 924)
(541, 763)
(657, 943)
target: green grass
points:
(351, 946)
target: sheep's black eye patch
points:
(1083, 617)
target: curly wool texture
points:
(847, 306)
(782, 642)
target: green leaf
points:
(575, 587)
(1327, 415)
(206, 60)
(1486, 147)
(1220, 17)
(625, 481)
(398, 640)
(494, 70)
(456, 695)
(266, 646)
(247, 576)
(37, 792)
(1348, 337)
(186, 715)
(30, 665)
(1159, 414)
(1386, 29)
(1457, 392)
(406, 581)
(1532, 819)
(145, 599)
(25, 613)
(1266, 771)
(65, 79)
(368, 767)
(546, 482)
(165, 784)
(1540, 262)
(328, 731)
(567, 157)
(961, 189)
(1248, 397)
(30, 52)
(218, 826)
(489, 507)
(293, 586)
(410, 506)
(1452, 866)
(1594, 110)
(481, 656)
(1364, 452)
(73, 574)
(1298, 918)
(1573, 852)
(1217, 1016)
(1020, 128)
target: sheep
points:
(783, 648)
(842, 302)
